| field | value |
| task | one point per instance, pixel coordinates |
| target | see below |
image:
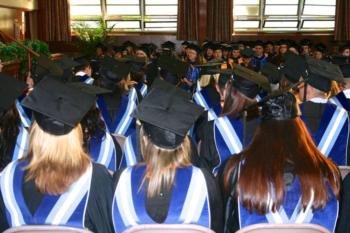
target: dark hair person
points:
(283, 180)
(225, 136)
(14, 136)
(166, 188)
(56, 183)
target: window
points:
(126, 15)
(286, 15)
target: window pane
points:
(284, 2)
(85, 10)
(161, 10)
(85, 24)
(318, 24)
(123, 10)
(123, 2)
(246, 2)
(319, 10)
(246, 10)
(320, 2)
(160, 2)
(160, 29)
(281, 24)
(280, 29)
(123, 24)
(167, 19)
(246, 24)
(160, 25)
(84, 2)
(281, 10)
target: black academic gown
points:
(158, 207)
(343, 225)
(98, 213)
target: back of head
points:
(289, 144)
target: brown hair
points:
(234, 101)
(58, 162)
(161, 164)
(289, 142)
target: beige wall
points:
(7, 20)
(21, 4)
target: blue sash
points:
(341, 101)
(228, 134)
(25, 119)
(123, 124)
(130, 149)
(22, 143)
(332, 135)
(259, 62)
(67, 209)
(85, 79)
(202, 99)
(142, 88)
(102, 151)
(189, 203)
(292, 213)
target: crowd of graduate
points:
(221, 135)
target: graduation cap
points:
(66, 63)
(166, 118)
(119, 49)
(10, 89)
(101, 46)
(129, 44)
(247, 53)
(283, 42)
(164, 85)
(272, 72)
(90, 89)
(185, 43)
(269, 42)
(168, 45)
(208, 45)
(194, 47)
(345, 69)
(259, 43)
(145, 49)
(294, 67)
(217, 47)
(57, 107)
(209, 68)
(235, 47)
(248, 82)
(280, 107)
(320, 48)
(44, 66)
(82, 61)
(113, 70)
(172, 65)
(321, 73)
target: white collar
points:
(80, 73)
(319, 100)
(347, 93)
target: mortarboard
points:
(305, 42)
(164, 85)
(172, 65)
(248, 82)
(345, 69)
(320, 48)
(90, 89)
(235, 47)
(57, 107)
(113, 70)
(168, 45)
(321, 73)
(167, 118)
(217, 47)
(259, 43)
(272, 72)
(10, 89)
(194, 47)
(185, 43)
(129, 44)
(294, 67)
(44, 66)
(119, 49)
(66, 63)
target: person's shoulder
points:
(99, 171)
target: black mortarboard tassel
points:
(57, 107)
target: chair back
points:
(45, 228)
(168, 228)
(284, 228)
(344, 170)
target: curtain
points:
(188, 20)
(219, 20)
(342, 20)
(54, 20)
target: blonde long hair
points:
(161, 164)
(55, 161)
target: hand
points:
(1, 66)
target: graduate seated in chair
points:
(56, 183)
(281, 177)
(166, 188)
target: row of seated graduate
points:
(43, 129)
